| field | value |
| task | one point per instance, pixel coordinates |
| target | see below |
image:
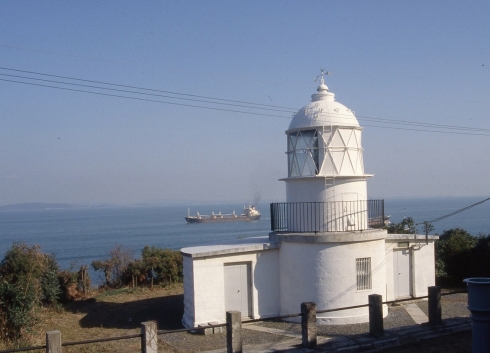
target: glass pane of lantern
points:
(292, 139)
(293, 165)
(310, 167)
(303, 140)
(301, 158)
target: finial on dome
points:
(322, 86)
(323, 93)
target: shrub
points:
(406, 226)
(115, 266)
(74, 284)
(50, 285)
(17, 303)
(136, 272)
(164, 265)
(481, 256)
(28, 278)
(455, 256)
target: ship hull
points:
(221, 219)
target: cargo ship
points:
(250, 213)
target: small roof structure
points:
(323, 110)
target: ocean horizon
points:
(79, 235)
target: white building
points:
(323, 246)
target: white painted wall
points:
(313, 189)
(282, 278)
(325, 273)
(423, 262)
(206, 302)
(424, 270)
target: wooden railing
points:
(149, 332)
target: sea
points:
(79, 235)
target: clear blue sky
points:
(412, 61)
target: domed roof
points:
(323, 110)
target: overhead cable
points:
(139, 88)
(129, 92)
(141, 99)
(140, 93)
(458, 211)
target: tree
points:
(454, 255)
(406, 226)
(481, 257)
(28, 278)
(115, 266)
(136, 271)
(163, 265)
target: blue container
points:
(479, 305)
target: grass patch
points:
(112, 313)
(113, 292)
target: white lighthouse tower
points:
(326, 244)
(329, 254)
(325, 163)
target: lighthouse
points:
(326, 242)
(329, 254)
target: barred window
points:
(363, 271)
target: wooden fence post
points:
(53, 342)
(435, 313)
(376, 315)
(149, 337)
(234, 331)
(308, 325)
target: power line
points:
(436, 128)
(143, 99)
(458, 211)
(405, 122)
(428, 224)
(229, 77)
(286, 109)
(142, 88)
(141, 93)
(423, 130)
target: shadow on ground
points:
(167, 311)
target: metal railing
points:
(335, 216)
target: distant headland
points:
(35, 206)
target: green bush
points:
(406, 226)
(74, 284)
(165, 264)
(28, 278)
(17, 303)
(481, 257)
(115, 266)
(455, 258)
(156, 266)
(50, 285)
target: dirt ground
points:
(109, 314)
(120, 312)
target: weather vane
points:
(322, 81)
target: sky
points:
(400, 65)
